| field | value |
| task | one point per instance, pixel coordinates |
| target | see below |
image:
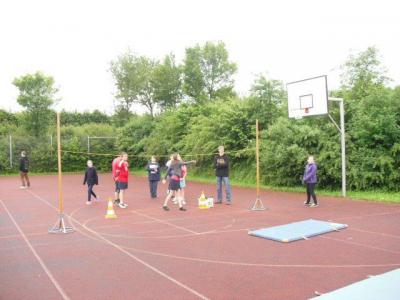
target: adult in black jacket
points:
(221, 165)
(91, 179)
(24, 169)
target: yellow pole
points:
(257, 161)
(60, 199)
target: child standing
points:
(174, 183)
(183, 182)
(310, 180)
(114, 166)
(153, 168)
(24, 169)
(90, 179)
(122, 174)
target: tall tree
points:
(266, 99)
(132, 75)
(362, 73)
(208, 72)
(167, 83)
(37, 95)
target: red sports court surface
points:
(148, 253)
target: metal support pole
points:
(88, 144)
(11, 152)
(343, 144)
(342, 140)
(60, 226)
(258, 205)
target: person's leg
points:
(308, 193)
(22, 179)
(228, 190)
(121, 196)
(154, 188)
(151, 188)
(116, 193)
(93, 193)
(28, 184)
(219, 189)
(90, 186)
(312, 192)
(169, 196)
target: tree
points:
(167, 83)
(362, 73)
(266, 99)
(132, 75)
(37, 95)
(208, 72)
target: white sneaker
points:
(22, 187)
(122, 205)
(88, 202)
(183, 202)
(314, 205)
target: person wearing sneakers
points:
(175, 169)
(91, 179)
(24, 169)
(122, 174)
(114, 166)
(153, 169)
(310, 180)
(221, 165)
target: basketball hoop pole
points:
(60, 226)
(342, 140)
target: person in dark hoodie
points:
(310, 180)
(221, 165)
(91, 179)
(153, 168)
(24, 169)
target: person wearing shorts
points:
(24, 169)
(122, 174)
(114, 166)
(174, 186)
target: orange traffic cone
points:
(110, 210)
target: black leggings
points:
(90, 192)
(311, 193)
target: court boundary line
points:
(118, 247)
(42, 264)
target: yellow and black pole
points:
(258, 205)
(60, 226)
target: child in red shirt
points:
(122, 174)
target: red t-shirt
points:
(122, 172)
(114, 165)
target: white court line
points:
(53, 280)
(187, 288)
(165, 222)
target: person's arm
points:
(166, 174)
(96, 178)
(85, 178)
(186, 163)
(215, 162)
(309, 173)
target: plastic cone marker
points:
(110, 210)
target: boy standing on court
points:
(153, 168)
(114, 165)
(24, 169)
(221, 165)
(91, 179)
(122, 174)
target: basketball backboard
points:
(308, 97)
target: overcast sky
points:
(74, 41)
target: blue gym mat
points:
(385, 286)
(297, 230)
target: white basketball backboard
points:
(308, 97)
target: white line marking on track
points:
(166, 276)
(165, 222)
(43, 265)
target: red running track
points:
(148, 253)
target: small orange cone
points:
(110, 210)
